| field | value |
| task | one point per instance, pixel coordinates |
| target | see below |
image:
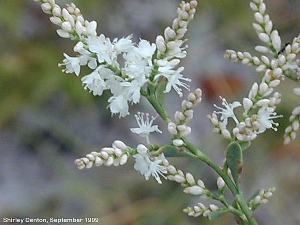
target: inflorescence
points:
(131, 70)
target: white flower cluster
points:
(261, 198)
(259, 111)
(147, 163)
(115, 155)
(260, 105)
(180, 129)
(170, 49)
(150, 165)
(142, 63)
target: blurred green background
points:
(47, 120)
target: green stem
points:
(204, 158)
(244, 206)
(157, 105)
(235, 189)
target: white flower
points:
(123, 44)
(265, 119)
(102, 47)
(136, 66)
(86, 56)
(227, 112)
(145, 126)
(119, 104)
(91, 28)
(133, 90)
(174, 78)
(72, 64)
(145, 50)
(95, 81)
(149, 166)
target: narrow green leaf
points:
(244, 144)
(173, 151)
(234, 158)
(161, 86)
(216, 214)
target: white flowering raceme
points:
(121, 66)
(145, 126)
(115, 155)
(130, 71)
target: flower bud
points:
(275, 39)
(123, 159)
(264, 37)
(259, 17)
(46, 7)
(169, 33)
(262, 49)
(213, 207)
(172, 128)
(119, 144)
(247, 104)
(220, 183)
(142, 149)
(190, 178)
(184, 129)
(194, 190)
(179, 179)
(56, 11)
(55, 20)
(171, 169)
(178, 142)
(66, 26)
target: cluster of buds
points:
(264, 28)
(259, 97)
(169, 46)
(201, 210)
(284, 59)
(254, 121)
(170, 49)
(290, 131)
(180, 129)
(261, 198)
(294, 65)
(187, 181)
(260, 105)
(71, 22)
(108, 156)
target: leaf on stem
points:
(234, 158)
(216, 214)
